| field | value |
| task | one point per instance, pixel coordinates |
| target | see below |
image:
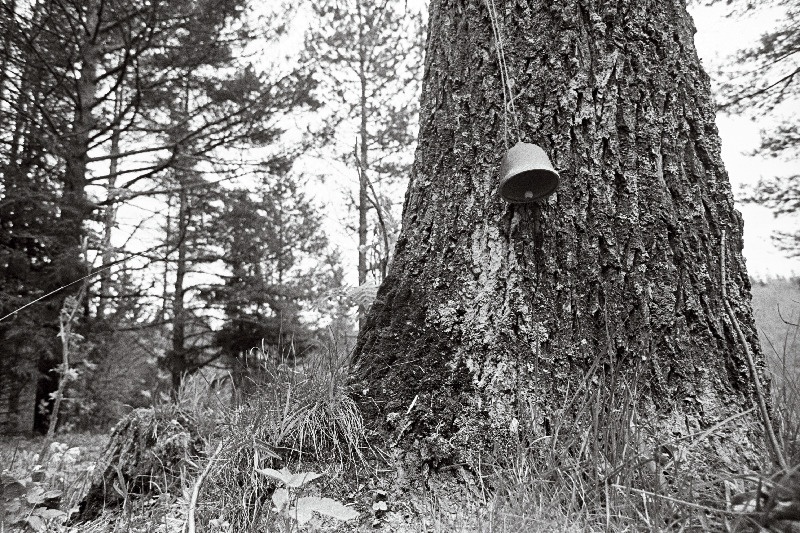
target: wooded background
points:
(150, 179)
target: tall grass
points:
(592, 472)
(298, 415)
(300, 412)
(603, 467)
(303, 407)
(783, 360)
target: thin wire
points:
(504, 66)
(508, 98)
(489, 4)
(511, 97)
(89, 275)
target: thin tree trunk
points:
(21, 121)
(281, 244)
(110, 215)
(493, 313)
(165, 300)
(363, 200)
(65, 323)
(8, 27)
(178, 364)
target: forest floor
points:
(221, 470)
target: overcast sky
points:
(717, 38)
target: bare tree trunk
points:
(492, 311)
(5, 54)
(177, 357)
(165, 300)
(27, 93)
(110, 215)
(363, 201)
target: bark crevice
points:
(487, 306)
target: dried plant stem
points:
(760, 398)
(65, 332)
(191, 528)
(65, 322)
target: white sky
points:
(717, 38)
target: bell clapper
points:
(526, 174)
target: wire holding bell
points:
(526, 173)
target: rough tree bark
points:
(490, 308)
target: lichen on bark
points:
(492, 312)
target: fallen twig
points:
(762, 403)
(196, 489)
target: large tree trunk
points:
(490, 308)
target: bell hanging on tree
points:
(526, 174)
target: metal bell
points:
(526, 174)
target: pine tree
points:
(764, 81)
(368, 56)
(271, 242)
(93, 85)
(29, 193)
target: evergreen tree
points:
(764, 81)
(273, 249)
(119, 93)
(29, 225)
(369, 56)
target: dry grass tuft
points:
(601, 468)
(302, 412)
(304, 408)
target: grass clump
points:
(305, 408)
(603, 467)
(594, 472)
(299, 414)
